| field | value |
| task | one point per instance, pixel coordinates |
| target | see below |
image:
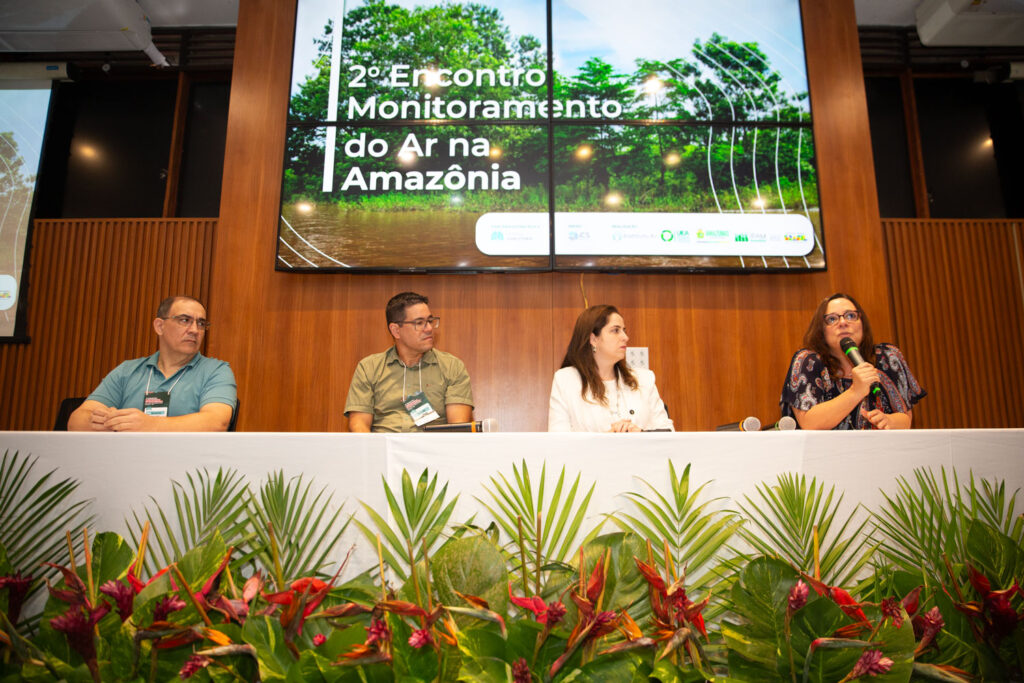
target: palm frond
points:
(784, 521)
(925, 523)
(543, 529)
(694, 534)
(305, 531)
(209, 503)
(420, 518)
(35, 515)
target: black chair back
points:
(67, 406)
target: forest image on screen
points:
(447, 136)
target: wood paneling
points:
(94, 287)
(958, 293)
(720, 344)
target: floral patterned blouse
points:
(809, 384)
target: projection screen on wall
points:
(549, 134)
(24, 106)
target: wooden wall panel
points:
(94, 287)
(719, 343)
(958, 295)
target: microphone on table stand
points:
(750, 424)
(488, 424)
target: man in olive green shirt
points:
(411, 384)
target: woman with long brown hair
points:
(825, 390)
(595, 390)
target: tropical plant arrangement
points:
(237, 583)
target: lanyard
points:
(405, 368)
(172, 386)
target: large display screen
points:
(24, 107)
(549, 134)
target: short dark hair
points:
(814, 337)
(165, 306)
(395, 310)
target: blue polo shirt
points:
(202, 380)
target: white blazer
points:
(569, 412)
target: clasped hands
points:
(624, 426)
(119, 420)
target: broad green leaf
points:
(484, 656)
(471, 565)
(264, 633)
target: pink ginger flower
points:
(419, 638)
(122, 595)
(168, 604)
(193, 665)
(17, 587)
(871, 663)
(891, 610)
(377, 632)
(319, 639)
(798, 595)
(521, 671)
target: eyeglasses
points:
(187, 320)
(849, 316)
(419, 323)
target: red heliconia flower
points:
(137, 585)
(891, 610)
(420, 638)
(312, 590)
(377, 632)
(122, 595)
(1002, 617)
(798, 596)
(911, 601)
(193, 665)
(319, 639)
(17, 587)
(78, 626)
(166, 605)
(871, 663)
(671, 607)
(549, 614)
(521, 671)
(979, 581)
(839, 596)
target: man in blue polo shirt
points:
(177, 389)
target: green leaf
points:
(484, 657)
(111, 557)
(264, 633)
(471, 565)
(756, 639)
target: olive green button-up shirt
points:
(381, 383)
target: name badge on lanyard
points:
(157, 403)
(419, 409)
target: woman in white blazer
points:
(595, 391)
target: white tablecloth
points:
(122, 472)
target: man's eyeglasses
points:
(187, 320)
(419, 323)
(849, 316)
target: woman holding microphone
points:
(826, 389)
(596, 391)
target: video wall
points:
(549, 135)
(24, 107)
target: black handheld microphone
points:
(849, 347)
